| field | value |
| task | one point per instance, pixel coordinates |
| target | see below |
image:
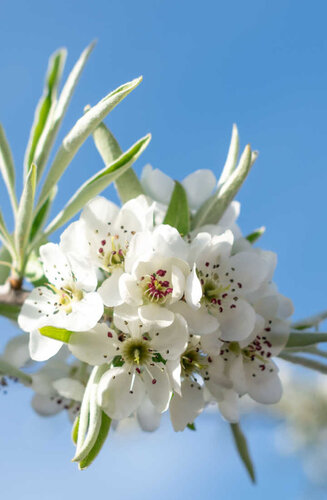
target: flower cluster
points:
(175, 320)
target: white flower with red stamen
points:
(156, 272)
(140, 355)
(68, 301)
(224, 279)
(103, 234)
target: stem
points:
(10, 370)
(307, 363)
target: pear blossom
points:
(68, 300)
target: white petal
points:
(230, 215)
(263, 386)
(74, 241)
(238, 323)
(135, 215)
(45, 406)
(85, 313)
(42, 348)
(199, 186)
(199, 321)
(84, 272)
(171, 342)
(211, 343)
(69, 388)
(178, 283)
(115, 396)
(55, 264)
(96, 346)
(125, 313)
(251, 270)
(158, 388)
(16, 351)
(153, 314)
(174, 370)
(148, 417)
(36, 307)
(193, 289)
(167, 241)
(157, 184)
(99, 214)
(129, 291)
(109, 290)
(229, 406)
(185, 409)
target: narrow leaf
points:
(102, 436)
(305, 339)
(56, 333)
(42, 214)
(4, 270)
(25, 212)
(98, 183)
(48, 137)
(306, 362)
(213, 209)
(178, 213)
(255, 235)
(312, 321)
(191, 427)
(127, 184)
(242, 448)
(9, 311)
(12, 371)
(232, 156)
(54, 72)
(75, 430)
(7, 167)
(5, 236)
(80, 132)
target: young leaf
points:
(312, 321)
(80, 132)
(102, 436)
(56, 333)
(242, 448)
(306, 362)
(4, 270)
(191, 427)
(46, 103)
(253, 237)
(48, 137)
(178, 213)
(232, 156)
(98, 183)
(305, 339)
(9, 311)
(127, 184)
(75, 430)
(213, 209)
(42, 214)
(10, 370)
(25, 212)
(5, 236)
(7, 168)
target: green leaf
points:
(45, 106)
(312, 321)
(10, 311)
(48, 137)
(305, 362)
(42, 214)
(242, 448)
(213, 209)
(255, 235)
(102, 436)
(12, 371)
(25, 212)
(75, 430)
(98, 183)
(4, 270)
(127, 185)
(5, 236)
(305, 339)
(178, 213)
(56, 333)
(191, 427)
(80, 132)
(7, 167)
(232, 156)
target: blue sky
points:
(206, 65)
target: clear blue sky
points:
(206, 65)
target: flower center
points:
(111, 255)
(136, 351)
(260, 349)
(193, 361)
(67, 295)
(156, 289)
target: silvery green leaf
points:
(42, 214)
(127, 184)
(46, 104)
(4, 235)
(48, 137)
(95, 415)
(10, 370)
(232, 156)
(56, 333)
(305, 339)
(4, 270)
(312, 321)
(7, 167)
(75, 430)
(242, 448)
(80, 132)
(102, 436)
(25, 212)
(98, 183)
(256, 234)
(213, 209)
(178, 213)
(306, 362)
